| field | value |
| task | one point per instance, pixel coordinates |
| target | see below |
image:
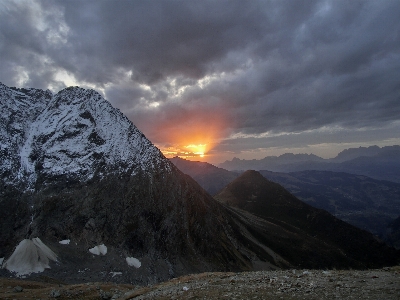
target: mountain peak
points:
(74, 135)
(251, 190)
(251, 174)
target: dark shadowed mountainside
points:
(394, 233)
(364, 202)
(315, 230)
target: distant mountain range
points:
(375, 162)
(367, 203)
(84, 192)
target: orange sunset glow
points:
(187, 151)
(191, 136)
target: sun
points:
(189, 151)
(192, 135)
(199, 149)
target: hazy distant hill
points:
(284, 162)
(351, 153)
(375, 162)
(296, 230)
(210, 177)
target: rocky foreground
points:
(289, 284)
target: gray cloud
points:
(262, 66)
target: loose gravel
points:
(288, 284)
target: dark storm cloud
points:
(263, 66)
(156, 39)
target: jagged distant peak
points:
(371, 151)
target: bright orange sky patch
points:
(191, 135)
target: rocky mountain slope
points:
(77, 174)
(308, 235)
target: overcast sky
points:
(247, 78)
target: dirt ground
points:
(288, 284)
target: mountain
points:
(305, 236)
(85, 193)
(394, 233)
(274, 163)
(364, 202)
(352, 153)
(81, 181)
(375, 162)
(210, 177)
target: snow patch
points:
(1, 261)
(30, 256)
(99, 249)
(115, 273)
(64, 242)
(133, 262)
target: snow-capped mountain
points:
(19, 108)
(75, 135)
(75, 168)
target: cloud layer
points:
(241, 76)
